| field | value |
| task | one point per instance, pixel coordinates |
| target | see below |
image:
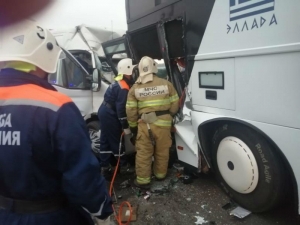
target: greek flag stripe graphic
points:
(244, 8)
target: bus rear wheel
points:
(247, 167)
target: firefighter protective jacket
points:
(116, 97)
(157, 95)
(45, 149)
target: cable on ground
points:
(118, 216)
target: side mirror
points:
(96, 82)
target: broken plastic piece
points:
(125, 184)
(137, 191)
(240, 212)
(119, 196)
(200, 220)
(147, 197)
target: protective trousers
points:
(111, 130)
(145, 150)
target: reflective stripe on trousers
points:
(141, 180)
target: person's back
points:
(155, 96)
(47, 170)
(113, 120)
(151, 103)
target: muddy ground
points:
(197, 203)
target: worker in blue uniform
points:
(113, 120)
(48, 173)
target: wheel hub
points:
(230, 165)
(237, 165)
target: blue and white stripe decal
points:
(244, 8)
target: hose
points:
(119, 215)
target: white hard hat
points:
(27, 42)
(147, 66)
(125, 66)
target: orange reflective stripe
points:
(123, 84)
(34, 93)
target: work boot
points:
(142, 186)
(126, 169)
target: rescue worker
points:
(113, 120)
(150, 105)
(48, 172)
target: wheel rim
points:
(95, 138)
(237, 165)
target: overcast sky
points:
(69, 13)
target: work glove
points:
(134, 134)
(102, 222)
(127, 131)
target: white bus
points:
(241, 85)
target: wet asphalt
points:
(200, 202)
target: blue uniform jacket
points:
(45, 151)
(116, 96)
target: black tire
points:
(271, 179)
(94, 128)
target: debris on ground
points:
(148, 217)
(200, 220)
(160, 190)
(173, 182)
(187, 179)
(240, 212)
(120, 196)
(125, 184)
(228, 205)
(178, 167)
(126, 214)
(189, 199)
(137, 191)
(203, 206)
(182, 214)
(147, 197)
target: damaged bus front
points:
(235, 65)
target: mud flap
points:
(186, 144)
